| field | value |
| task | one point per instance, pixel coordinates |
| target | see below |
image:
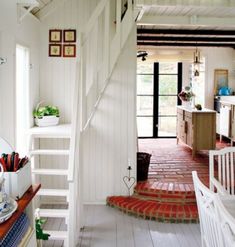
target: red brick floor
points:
(168, 194)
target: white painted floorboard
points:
(108, 227)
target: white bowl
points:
(47, 121)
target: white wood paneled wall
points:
(57, 74)
(26, 33)
(57, 78)
(110, 140)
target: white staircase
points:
(93, 76)
(56, 132)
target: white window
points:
(22, 98)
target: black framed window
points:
(158, 85)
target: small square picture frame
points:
(69, 50)
(69, 35)
(55, 50)
(55, 35)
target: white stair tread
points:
(53, 192)
(54, 213)
(57, 235)
(49, 152)
(59, 172)
(58, 131)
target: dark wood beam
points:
(186, 38)
(186, 44)
(186, 32)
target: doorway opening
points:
(22, 98)
(158, 85)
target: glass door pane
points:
(167, 106)
(168, 84)
(145, 99)
(145, 126)
(144, 105)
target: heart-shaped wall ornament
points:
(129, 182)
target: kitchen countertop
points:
(227, 99)
(194, 110)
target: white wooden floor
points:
(108, 227)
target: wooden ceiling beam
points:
(185, 44)
(186, 32)
(185, 38)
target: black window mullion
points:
(180, 72)
(155, 98)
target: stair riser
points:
(168, 200)
(162, 216)
(160, 211)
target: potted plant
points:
(187, 96)
(47, 115)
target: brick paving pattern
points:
(168, 194)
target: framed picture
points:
(69, 50)
(54, 50)
(55, 35)
(69, 35)
(220, 79)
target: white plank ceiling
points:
(193, 15)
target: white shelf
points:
(49, 152)
(58, 131)
(59, 172)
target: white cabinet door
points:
(225, 112)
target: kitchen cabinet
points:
(226, 121)
(195, 128)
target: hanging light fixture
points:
(142, 54)
(196, 62)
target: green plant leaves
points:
(47, 110)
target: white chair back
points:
(210, 231)
(222, 170)
(5, 147)
(227, 223)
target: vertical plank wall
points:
(57, 78)
(111, 137)
(24, 33)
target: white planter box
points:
(17, 183)
(47, 121)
